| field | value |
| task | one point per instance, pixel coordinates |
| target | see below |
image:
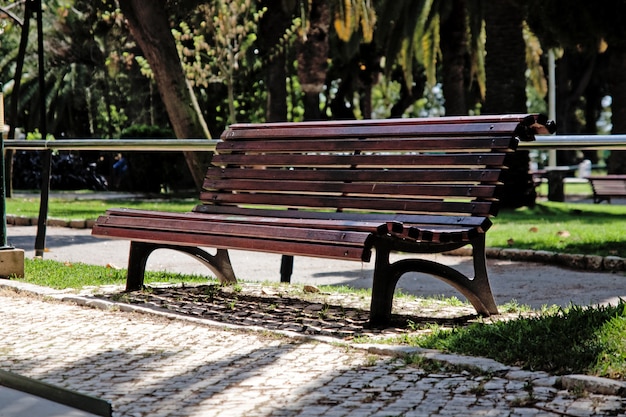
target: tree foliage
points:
(303, 58)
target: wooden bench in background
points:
(339, 190)
(606, 186)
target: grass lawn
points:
(592, 229)
(577, 339)
(87, 208)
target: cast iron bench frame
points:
(339, 190)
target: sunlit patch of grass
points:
(587, 340)
(63, 275)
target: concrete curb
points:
(573, 382)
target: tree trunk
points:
(454, 57)
(271, 29)
(617, 78)
(506, 91)
(149, 25)
(313, 58)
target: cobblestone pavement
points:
(166, 365)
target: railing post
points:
(3, 208)
(11, 259)
(40, 240)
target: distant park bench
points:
(339, 190)
(606, 186)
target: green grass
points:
(84, 208)
(594, 229)
(570, 188)
(64, 275)
(560, 341)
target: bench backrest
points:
(609, 185)
(447, 165)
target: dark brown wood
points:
(326, 219)
(270, 245)
(372, 128)
(490, 176)
(361, 160)
(253, 230)
(360, 188)
(339, 190)
(484, 208)
(339, 144)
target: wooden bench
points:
(339, 190)
(606, 186)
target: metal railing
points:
(577, 142)
(113, 144)
(559, 142)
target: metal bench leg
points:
(140, 251)
(386, 276)
(221, 266)
(383, 287)
(286, 268)
(480, 284)
(137, 259)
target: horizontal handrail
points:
(563, 142)
(576, 142)
(113, 144)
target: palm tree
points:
(273, 27)
(441, 36)
(312, 55)
(454, 50)
(505, 67)
(584, 25)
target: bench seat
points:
(343, 190)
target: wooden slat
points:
(398, 160)
(357, 225)
(362, 175)
(253, 216)
(522, 125)
(323, 130)
(512, 119)
(325, 250)
(396, 144)
(208, 227)
(310, 218)
(480, 208)
(361, 188)
(413, 219)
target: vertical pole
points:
(40, 239)
(551, 99)
(3, 210)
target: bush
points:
(68, 172)
(150, 171)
